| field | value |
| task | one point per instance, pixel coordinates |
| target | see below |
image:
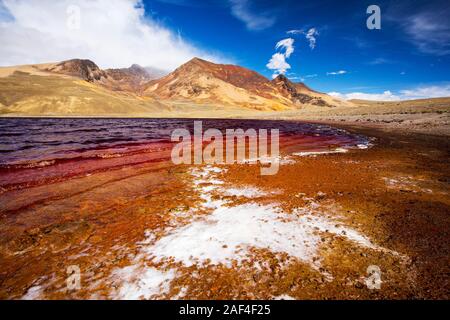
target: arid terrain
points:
(197, 89)
(81, 88)
(140, 227)
(152, 230)
(426, 115)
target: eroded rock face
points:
(135, 73)
(292, 90)
(128, 80)
(84, 69)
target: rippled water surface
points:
(70, 147)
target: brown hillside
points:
(201, 81)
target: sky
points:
(324, 43)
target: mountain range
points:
(80, 87)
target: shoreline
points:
(390, 122)
(393, 195)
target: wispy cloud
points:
(294, 31)
(358, 41)
(113, 33)
(310, 35)
(428, 29)
(242, 10)
(431, 35)
(187, 3)
(293, 77)
(278, 61)
(424, 92)
(288, 45)
(336, 73)
(378, 61)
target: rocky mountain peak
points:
(82, 68)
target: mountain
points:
(155, 73)
(201, 81)
(72, 88)
(81, 88)
(134, 73)
(291, 90)
(84, 69)
(300, 94)
(24, 94)
(125, 79)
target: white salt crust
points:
(227, 234)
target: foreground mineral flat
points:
(158, 231)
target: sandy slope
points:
(22, 94)
(35, 69)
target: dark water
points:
(28, 143)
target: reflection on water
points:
(33, 151)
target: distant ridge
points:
(84, 69)
(300, 94)
(84, 88)
(205, 82)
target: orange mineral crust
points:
(139, 227)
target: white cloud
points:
(279, 64)
(426, 92)
(253, 21)
(385, 96)
(410, 94)
(288, 45)
(112, 33)
(336, 73)
(379, 61)
(278, 61)
(294, 31)
(311, 36)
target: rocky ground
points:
(429, 116)
(312, 231)
(434, 123)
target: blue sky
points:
(408, 58)
(412, 49)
